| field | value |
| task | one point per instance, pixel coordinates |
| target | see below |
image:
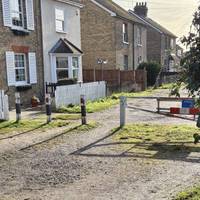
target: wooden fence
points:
(117, 78)
(4, 110)
(70, 94)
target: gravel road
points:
(91, 165)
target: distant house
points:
(61, 32)
(111, 34)
(21, 67)
(161, 43)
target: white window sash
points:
(25, 70)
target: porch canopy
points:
(65, 46)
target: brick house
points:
(161, 43)
(112, 35)
(21, 49)
(61, 41)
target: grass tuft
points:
(190, 194)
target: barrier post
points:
(123, 104)
(83, 110)
(18, 106)
(48, 107)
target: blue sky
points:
(175, 15)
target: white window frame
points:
(70, 64)
(60, 20)
(125, 32)
(67, 68)
(22, 13)
(75, 68)
(25, 70)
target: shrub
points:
(152, 69)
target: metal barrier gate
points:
(186, 109)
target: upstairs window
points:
(60, 19)
(18, 14)
(139, 36)
(125, 32)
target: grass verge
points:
(104, 103)
(158, 141)
(190, 194)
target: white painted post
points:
(6, 108)
(123, 103)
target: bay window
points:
(75, 67)
(67, 67)
(62, 68)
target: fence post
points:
(83, 110)
(123, 104)
(18, 106)
(6, 108)
(48, 107)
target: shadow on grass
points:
(144, 149)
(22, 133)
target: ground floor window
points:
(75, 67)
(20, 68)
(62, 68)
(67, 67)
(125, 62)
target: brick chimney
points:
(141, 9)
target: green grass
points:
(87, 127)
(104, 103)
(157, 141)
(166, 86)
(67, 117)
(29, 125)
(190, 194)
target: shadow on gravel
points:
(161, 113)
(51, 138)
(186, 151)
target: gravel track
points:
(90, 165)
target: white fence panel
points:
(70, 94)
(4, 110)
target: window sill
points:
(23, 87)
(61, 32)
(127, 43)
(19, 31)
(139, 45)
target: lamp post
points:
(101, 62)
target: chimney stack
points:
(141, 9)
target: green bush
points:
(152, 69)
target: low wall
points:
(70, 94)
